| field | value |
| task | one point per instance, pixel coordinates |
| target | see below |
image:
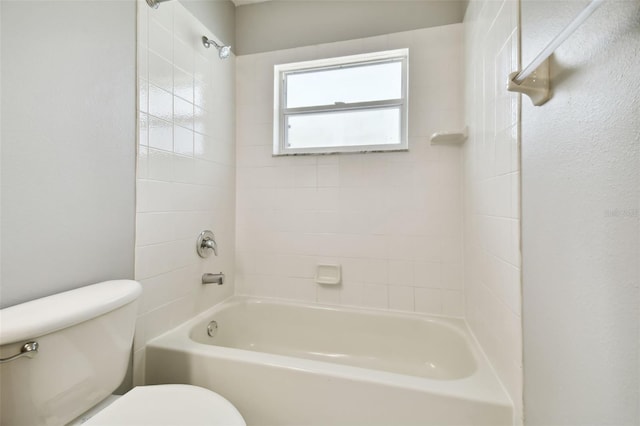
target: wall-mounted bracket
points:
(536, 86)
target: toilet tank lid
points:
(43, 316)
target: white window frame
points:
(280, 113)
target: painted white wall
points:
(392, 220)
(217, 14)
(581, 226)
(68, 145)
(0, 152)
(492, 190)
(186, 170)
(285, 24)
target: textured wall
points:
(186, 170)
(581, 225)
(215, 14)
(392, 220)
(492, 190)
(285, 24)
(68, 145)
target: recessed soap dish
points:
(328, 274)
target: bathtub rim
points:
(483, 386)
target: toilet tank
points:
(84, 341)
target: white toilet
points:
(82, 340)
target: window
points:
(349, 104)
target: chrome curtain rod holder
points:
(533, 80)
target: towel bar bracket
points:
(536, 86)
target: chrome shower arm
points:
(155, 3)
(223, 51)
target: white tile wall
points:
(186, 170)
(492, 190)
(392, 220)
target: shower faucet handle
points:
(210, 244)
(206, 241)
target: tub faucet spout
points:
(213, 278)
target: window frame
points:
(281, 114)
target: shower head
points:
(223, 51)
(154, 3)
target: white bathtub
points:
(284, 363)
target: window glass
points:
(373, 82)
(348, 128)
(349, 104)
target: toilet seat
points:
(168, 405)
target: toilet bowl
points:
(167, 405)
(62, 356)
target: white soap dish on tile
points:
(328, 274)
(450, 138)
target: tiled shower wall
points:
(186, 170)
(392, 220)
(492, 190)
